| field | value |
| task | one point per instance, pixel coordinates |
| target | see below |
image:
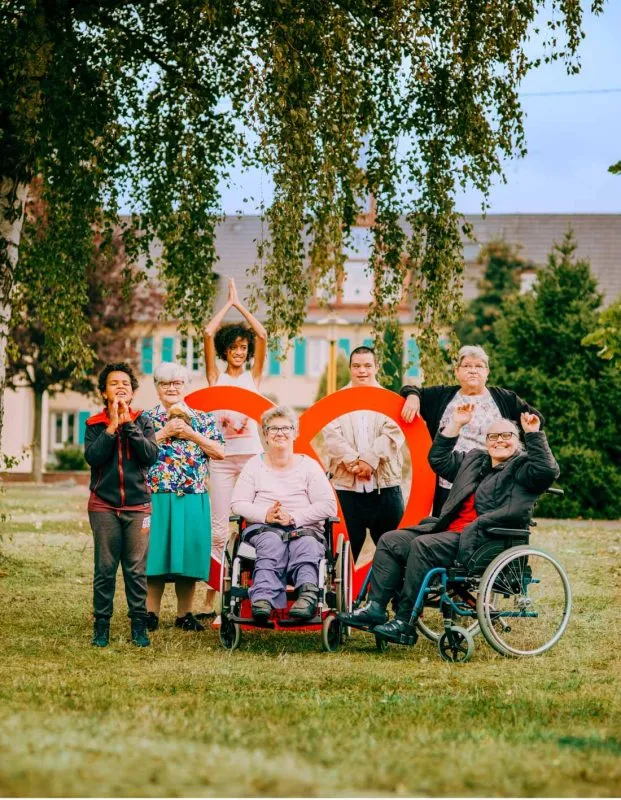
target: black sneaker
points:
(261, 610)
(139, 632)
(153, 621)
(101, 632)
(398, 631)
(367, 616)
(306, 604)
(189, 623)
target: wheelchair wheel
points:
(332, 634)
(456, 645)
(431, 623)
(343, 576)
(381, 644)
(230, 633)
(524, 602)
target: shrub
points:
(70, 458)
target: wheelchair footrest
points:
(252, 621)
(292, 622)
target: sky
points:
(573, 134)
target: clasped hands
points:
(178, 428)
(277, 514)
(119, 414)
(361, 469)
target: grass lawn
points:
(279, 717)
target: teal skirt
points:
(180, 538)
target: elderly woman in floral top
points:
(180, 541)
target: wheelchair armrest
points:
(555, 490)
(235, 518)
(508, 533)
(333, 520)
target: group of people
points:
(164, 482)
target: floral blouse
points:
(182, 466)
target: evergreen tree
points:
(500, 281)
(541, 356)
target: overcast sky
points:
(572, 138)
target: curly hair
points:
(122, 366)
(227, 335)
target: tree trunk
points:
(37, 458)
(12, 206)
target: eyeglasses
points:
(287, 430)
(478, 367)
(174, 384)
(504, 435)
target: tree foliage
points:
(500, 281)
(607, 335)
(541, 356)
(153, 101)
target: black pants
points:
(379, 511)
(402, 560)
(119, 537)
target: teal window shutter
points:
(299, 357)
(168, 348)
(274, 363)
(345, 346)
(413, 357)
(82, 417)
(146, 361)
(367, 342)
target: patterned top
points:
(473, 434)
(182, 467)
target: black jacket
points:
(435, 399)
(119, 461)
(504, 496)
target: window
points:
(471, 251)
(527, 280)
(317, 356)
(67, 428)
(191, 353)
(357, 284)
(299, 357)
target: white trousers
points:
(224, 474)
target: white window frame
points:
(64, 431)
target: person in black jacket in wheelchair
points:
(493, 488)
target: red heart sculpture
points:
(311, 423)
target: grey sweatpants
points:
(119, 537)
(276, 560)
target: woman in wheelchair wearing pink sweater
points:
(496, 487)
(285, 498)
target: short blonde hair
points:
(279, 411)
(472, 351)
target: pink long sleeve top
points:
(304, 492)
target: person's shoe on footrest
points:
(306, 604)
(261, 610)
(398, 631)
(367, 616)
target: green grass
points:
(279, 717)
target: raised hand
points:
(113, 413)
(462, 414)
(411, 408)
(233, 296)
(123, 412)
(530, 422)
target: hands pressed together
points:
(277, 514)
(178, 429)
(119, 414)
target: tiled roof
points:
(598, 237)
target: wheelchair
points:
(516, 595)
(335, 591)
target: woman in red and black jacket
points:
(119, 446)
